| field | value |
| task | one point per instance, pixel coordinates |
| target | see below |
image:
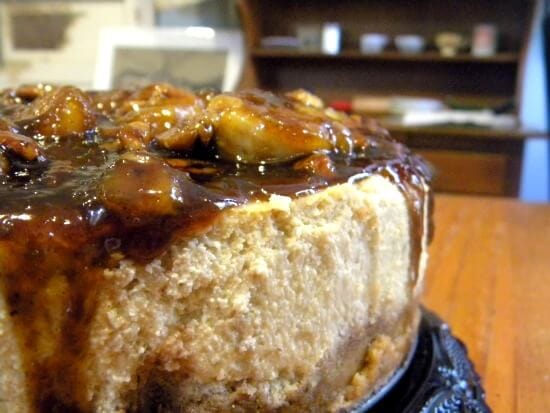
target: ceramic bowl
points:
(450, 43)
(373, 42)
(410, 43)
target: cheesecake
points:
(170, 251)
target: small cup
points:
(484, 40)
(331, 38)
(409, 43)
(450, 43)
(371, 43)
(309, 36)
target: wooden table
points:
(489, 278)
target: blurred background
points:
(463, 83)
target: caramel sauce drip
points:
(87, 179)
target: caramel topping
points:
(87, 179)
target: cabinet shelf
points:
(466, 154)
(430, 56)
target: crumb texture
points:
(251, 314)
(12, 379)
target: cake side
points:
(13, 395)
(256, 312)
(161, 249)
(295, 305)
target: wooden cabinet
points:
(468, 159)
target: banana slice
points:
(61, 112)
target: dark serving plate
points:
(437, 377)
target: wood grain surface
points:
(489, 278)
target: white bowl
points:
(373, 42)
(409, 43)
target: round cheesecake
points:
(175, 252)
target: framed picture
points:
(192, 57)
(56, 41)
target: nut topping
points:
(253, 128)
(62, 112)
(139, 187)
(316, 164)
(259, 127)
(18, 152)
(161, 106)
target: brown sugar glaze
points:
(87, 179)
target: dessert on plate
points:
(164, 251)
